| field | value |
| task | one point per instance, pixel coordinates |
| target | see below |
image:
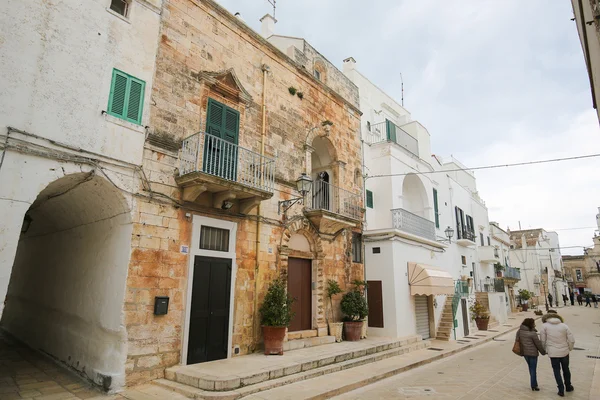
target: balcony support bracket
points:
(247, 205)
(220, 197)
(191, 193)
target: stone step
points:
(196, 393)
(308, 342)
(302, 334)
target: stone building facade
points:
(215, 203)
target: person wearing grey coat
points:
(531, 347)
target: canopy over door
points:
(427, 280)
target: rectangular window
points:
(578, 275)
(126, 99)
(215, 239)
(317, 75)
(460, 223)
(356, 247)
(436, 210)
(376, 250)
(368, 126)
(463, 259)
(481, 239)
(489, 242)
(120, 6)
(369, 199)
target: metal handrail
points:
(212, 155)
(380, 132)
(414, 224)
(325, 196)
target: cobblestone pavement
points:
(492, 371)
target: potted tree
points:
(481, 315)
(524, 296)
(499, 268)
(275, 316)
(335, 328)
(354, 306)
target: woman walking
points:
(531, 347)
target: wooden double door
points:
(209, 314)
(300, 289)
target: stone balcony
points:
(488, 254)
(413, 224)
(218, 173)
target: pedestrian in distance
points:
(572, 297)
(588, 300)
(565, 299)
(580, 299)
(595, 300)
(550, 298)
(531, 347)
(558, 341)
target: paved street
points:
(492, 371)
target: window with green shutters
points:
(436, 209)
(221, 155)
(369, 199)
(126, 99)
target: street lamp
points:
(449, 233)
(303, 185)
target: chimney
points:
(267, 29)
(349, 64)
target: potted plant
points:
(354, 306)
(481, 315)
(524, 296)
(499, 268)
(335, 328)
(275, 316)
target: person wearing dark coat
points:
(565, 299)
(588, 300)
(572, 297)
(580, 299)
(550, 299)
(531, 347)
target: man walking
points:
(558, 341)
(565, 298)
(588, 300)
(580, 299)
(550, 299)
(595, 300)
(572, 297)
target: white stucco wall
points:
(498, 306)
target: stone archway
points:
(288, 249)
(67, 285)
(414, 196)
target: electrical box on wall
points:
(161, 305)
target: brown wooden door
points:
(375, 300)
(299, 288)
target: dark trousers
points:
(557, 363)
(572, 302)
(587, 303)
(532, 364)
(580, 302)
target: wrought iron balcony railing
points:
(411, 223)
(512, 273)
(212, 155)
(328, 197)
(490, 285)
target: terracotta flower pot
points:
(482, 323)
(336, 329)
(273, 337)
(525, 307)
(352, 330)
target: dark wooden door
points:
(209, 313)
(375, 300)
(299, 288)
(465, 316)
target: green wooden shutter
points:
(232, 125)
(126, 98)
(135, 100)
(214, 118)
(220, 158)
(369, 199)
(118, 93)
(435, 209)
(391, 130)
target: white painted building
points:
(412, 198)
(76, 79)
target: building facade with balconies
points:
(253, 166)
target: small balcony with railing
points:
(490, 285)
(413, 224)
(465, 237)
(216, 171)
(488, 254)
(332, 208)
(387, 131)
(510, 273)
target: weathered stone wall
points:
(198, 37)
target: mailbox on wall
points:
(161, 305)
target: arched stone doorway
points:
(300, 257)
(67, 286)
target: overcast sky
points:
(494, 82)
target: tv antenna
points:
(272, 2)
(402, 87)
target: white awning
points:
(427, 280)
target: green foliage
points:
(524, 294)
(276, 309)
(331, 290)
(499, 267)
(478, 310)
(292, 90)
(354, 305)
(300, 95)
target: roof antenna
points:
(272, 2)
(402, 90)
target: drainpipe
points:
(265, 70)
(586, 49)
